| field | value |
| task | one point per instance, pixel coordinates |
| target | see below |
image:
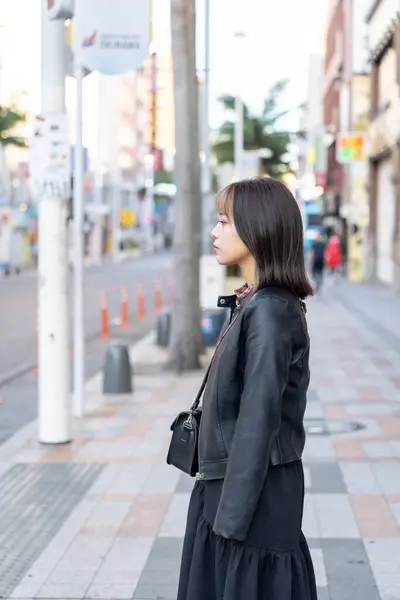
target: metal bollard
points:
(117, 375)
(164, 330)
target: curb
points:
(93, 401)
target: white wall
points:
(360, 36)
(381, 21)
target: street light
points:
(58, 10)
(239, 126)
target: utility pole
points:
(239, 129)
(186, 337)
(54, 381)
(206, 174)
(79, 270)
(152, 150)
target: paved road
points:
(18, 303)
(18, 396)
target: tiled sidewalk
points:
(104, 517)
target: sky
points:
(280, 36)
(20, 41)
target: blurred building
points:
(357, 210)
(159, 77)
(115, 118)
(346, 107)
(311, 152)
(336, 104)
(356, 200)
(384, 133)
(312, 159)
(336, 45)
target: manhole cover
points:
(330, 427)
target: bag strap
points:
(196, 403)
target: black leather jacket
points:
(254, 401)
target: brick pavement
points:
(111, 524)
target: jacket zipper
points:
(231, 321)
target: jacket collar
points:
(233, 300)
(227, 301)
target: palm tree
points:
(9, 119)
(260, 131)
(186, 340)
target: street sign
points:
(112, 38)
(127, 219)
(350, 147)
(49, 147)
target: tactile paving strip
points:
(35, 501)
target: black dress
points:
(274, 561)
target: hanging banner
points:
(111, 36)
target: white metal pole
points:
(239, 132)
(239, 138)
(149, 201)
(115, 170)
(53, 380)
(116, 209)
(79, 327)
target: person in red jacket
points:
(333, 254)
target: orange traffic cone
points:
(104, 331)
(124, 309)
(157, 296)
(141, 307)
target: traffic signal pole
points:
(79, 280)
(54, 375)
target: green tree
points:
(260, 131)
(10, 118)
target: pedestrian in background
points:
(318, 261)
(243, 537)
(333, 254)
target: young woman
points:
(243, 537)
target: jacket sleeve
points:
(267, 356)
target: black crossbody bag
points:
(183, 450)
